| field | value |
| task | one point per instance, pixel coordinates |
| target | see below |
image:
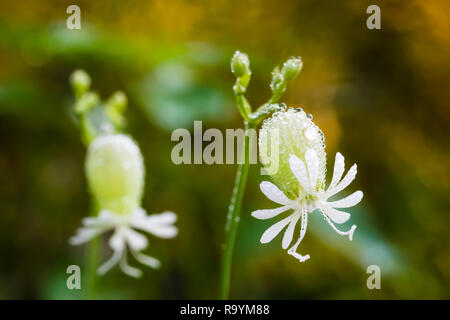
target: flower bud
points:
(291, 68)
(115, 173)
(86, 102)
(277, 79)
(294, 133)
(118, 101)
(81, 82)
(240, 64)
(115, 108)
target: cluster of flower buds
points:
(96, 117)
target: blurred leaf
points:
(173, 96)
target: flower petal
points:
(160, 231)
(299, 170)
(275, 229)
(83, 235)
(105, 219)
(117, 240)
(93, 226)
(156, 224)
(349, 177)
(147, 260)
(303, 225)
(135, 240)
(117, 243)
(269, 213)
(127, 269)
(157, 229)
(272, 192)
(289, 234)
(167, 217)
(339, 167)
(115, 258)
(348, 233)
(312, 162)
(335, 215)
(348, 201)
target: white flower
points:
(311, 196)
(124, 236)
(115, 172)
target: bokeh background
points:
(380, 96)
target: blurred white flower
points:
(312, 196)
(115, 173)
(125, 236)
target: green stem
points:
(93, 251)
(252, 119)
(233, 216)
(92, 265)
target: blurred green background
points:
(380, 96)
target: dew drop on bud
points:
(287, 133)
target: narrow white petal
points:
(338, 170)
(157, 229)
(312, 162)
(348, 201)
(127, 269)
(105, 219)
(147, 260)
(130, 271)
(303, 226)
(167, 232)
(159, 225)
(90, 221)
(83, 235)
(272, 192)
(117, 240)
(161, 231)
(104, 268)
(167, 217)
(335, 215)
(93, 226)
(299, 170)
(289, 234)
(269, 213)
(135, 240)
(117, 255)
(349, 177)
(348, 233)
(275, 229)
